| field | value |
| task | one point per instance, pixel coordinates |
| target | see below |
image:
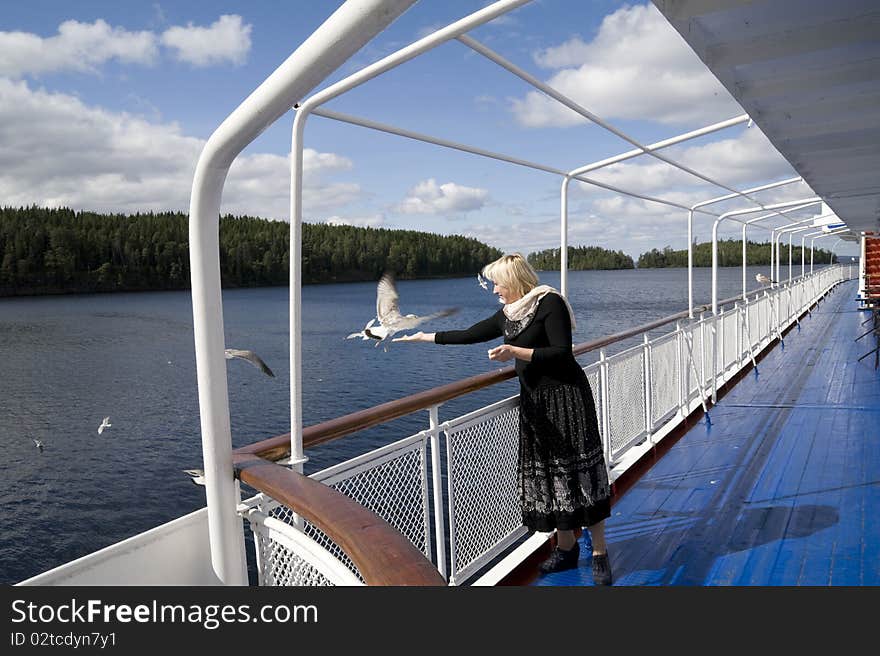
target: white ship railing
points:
(463, 494)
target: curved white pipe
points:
(340, 36)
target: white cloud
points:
(227, 39)
(427, 197)
(638, 66)
(746, 159)
(78, 46)
(59, 152)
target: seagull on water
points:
(764, 280)
(197, 476)
(251, 357)
(388, 310)
(104, 424)
(483, 283)
(38, 443)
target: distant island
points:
(729, 254)
(581, 258)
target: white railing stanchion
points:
(648, 387)
(606, 406)
(682, 372)
(437, 488)
(702, 354)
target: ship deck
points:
(782, 488)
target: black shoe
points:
(601, 570)
(561, 560)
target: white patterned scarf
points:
(524, 308)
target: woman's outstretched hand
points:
(415, 337)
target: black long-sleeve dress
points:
(562, 478)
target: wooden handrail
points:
(382, 554)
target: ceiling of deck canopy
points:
(808, 73)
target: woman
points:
(562, 479)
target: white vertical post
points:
(738, 335)
(646, 361)
(563, 240)
(703, 353)
(691, 264)
(778, 258)
(803, 256)
(717, 342)
(437, 486)
(350, 27)
(745, 260)
(682, 372)
(606, 405)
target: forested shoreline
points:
(57, 251)
(729, 254)
(581, 258)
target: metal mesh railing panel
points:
(692, 360)
(593, 378)
(484, 508)
(279, 566)
(759, 321)
(396, 491)
(729, 346)
(394, 488)
(784, 300)
(665, 377)
(709, 336)
(626, 398)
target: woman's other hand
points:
(507, 352)
(502, 353)
(415, 337)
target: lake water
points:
(69, 361)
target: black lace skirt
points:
(562, 479)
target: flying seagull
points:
(197, 476)
(764, 280)
(369, 332)
(104, 424)
(482, 281)
(38, 443)
(251, 357)
(388, 312)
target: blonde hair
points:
(512, 271)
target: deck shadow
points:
(687, 551)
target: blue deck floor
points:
(782, 489)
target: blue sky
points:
(106, 105)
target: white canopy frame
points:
(732, 215)
(690, 234)
(457, 31)
(353, 25)
(775, 238)
(349, 28)
(745, 226)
